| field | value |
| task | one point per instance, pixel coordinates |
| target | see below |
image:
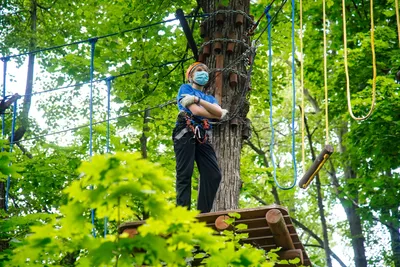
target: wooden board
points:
(259, 233)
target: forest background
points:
(352, 205)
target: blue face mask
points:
(200, 77)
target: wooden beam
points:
(278, 228)
(220, 223)
(316, 166)
(189, 36)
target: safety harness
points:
(200, 128)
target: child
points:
(191, 139)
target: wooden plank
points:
(259, 232)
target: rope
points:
(325, 74)
(273, 17)
(303, 149)
(346, 63)
(92, 48)
(270, 102)
(397, 19)
(294, 100)
(11, 150)
(108, 81)
(255, 25)
(271, 149)
(3, 122)
(105, 78)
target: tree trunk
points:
(143, 138)
(320, 201)
(31, 63)
(2, 195)
(357, 237)
(394, 229)
(227, 137)
(395, 239)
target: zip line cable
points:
(89, 39)
(98, 37)
(347, 68)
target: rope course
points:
(91, 82)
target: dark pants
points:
(187, 150)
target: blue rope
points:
(3, 122)
(11, 149)
(270, 101)
(108, 81)
(92, 48)
(271, 149)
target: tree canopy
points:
(141, 52)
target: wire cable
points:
(89, 39)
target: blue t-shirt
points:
(188, 89)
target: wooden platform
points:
(268, 227)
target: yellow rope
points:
(325, 76)
(398, 19)
(303, 150)
(346, 63)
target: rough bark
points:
(31, 64)
(350, 208)
(143, 138)
(319, 199)
(2, 195)
(394, 230)
(227, 137)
